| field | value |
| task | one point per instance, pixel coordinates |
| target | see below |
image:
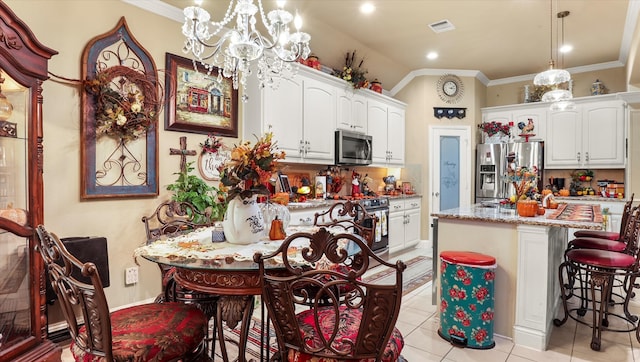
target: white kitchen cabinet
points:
(386, 126)
(537, 113)
(591, 136)
(319, 119)
(352, 110)
(404, 223)
(301, 113)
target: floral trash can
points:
(467, 300)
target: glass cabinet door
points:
(15, 309)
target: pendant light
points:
(551, 76)
(561, 98)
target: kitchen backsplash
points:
(598, 174)
(296, 172)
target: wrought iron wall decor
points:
(121, 101)
(450, 113)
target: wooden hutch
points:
(23, 69)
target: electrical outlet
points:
(131, 275)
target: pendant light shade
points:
(551, 76)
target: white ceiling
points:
(499, 38)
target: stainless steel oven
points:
(379, 208)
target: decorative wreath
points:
(127, 102)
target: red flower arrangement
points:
(493, 127)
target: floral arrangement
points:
(352, 74)
(211, 145)
(249, 168)
(126, 102)
(525, 182)
(493, 127)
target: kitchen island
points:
(528, 251)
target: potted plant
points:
(194, 190)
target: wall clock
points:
(450, 88)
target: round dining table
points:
(220, 269)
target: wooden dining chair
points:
(359, 326)
(349, 216)
(172, 218)
(149, 332)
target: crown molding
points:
(158, 7)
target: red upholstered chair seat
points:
(596, 243)
(609, 235)
(601, 258)
(151, 332)
(347, 331)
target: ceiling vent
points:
(441, 26)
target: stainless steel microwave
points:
(353, 148)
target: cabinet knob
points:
(578, 157)
(586, 156)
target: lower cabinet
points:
(404, 224)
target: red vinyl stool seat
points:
(598, 244)
(601, 258)
(601, 234)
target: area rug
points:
(418, 273)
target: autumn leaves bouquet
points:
(250, 167)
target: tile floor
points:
(419, 322)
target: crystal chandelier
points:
(553, 77)
(236, 50)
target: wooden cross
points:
(183, 152)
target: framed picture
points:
(208, 164)
(284, 183)
(196, 101)
(320, 190)
(406, 188)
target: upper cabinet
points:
(301, 113)
(386, 125)
(352, 111)
(520, 116)
(591, 136)
(305, 110)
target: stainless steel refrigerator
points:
(491, 167)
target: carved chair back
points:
(626, 211)
(173, 217)
(78, 300)
(311, 269)
(349, 216)
(631, 233)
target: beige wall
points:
(421, 96)
(513, 93)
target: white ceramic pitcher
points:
(243, 222)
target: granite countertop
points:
(483, 213)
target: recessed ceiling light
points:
(367, 8)
(432, 55)
(566, 48)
